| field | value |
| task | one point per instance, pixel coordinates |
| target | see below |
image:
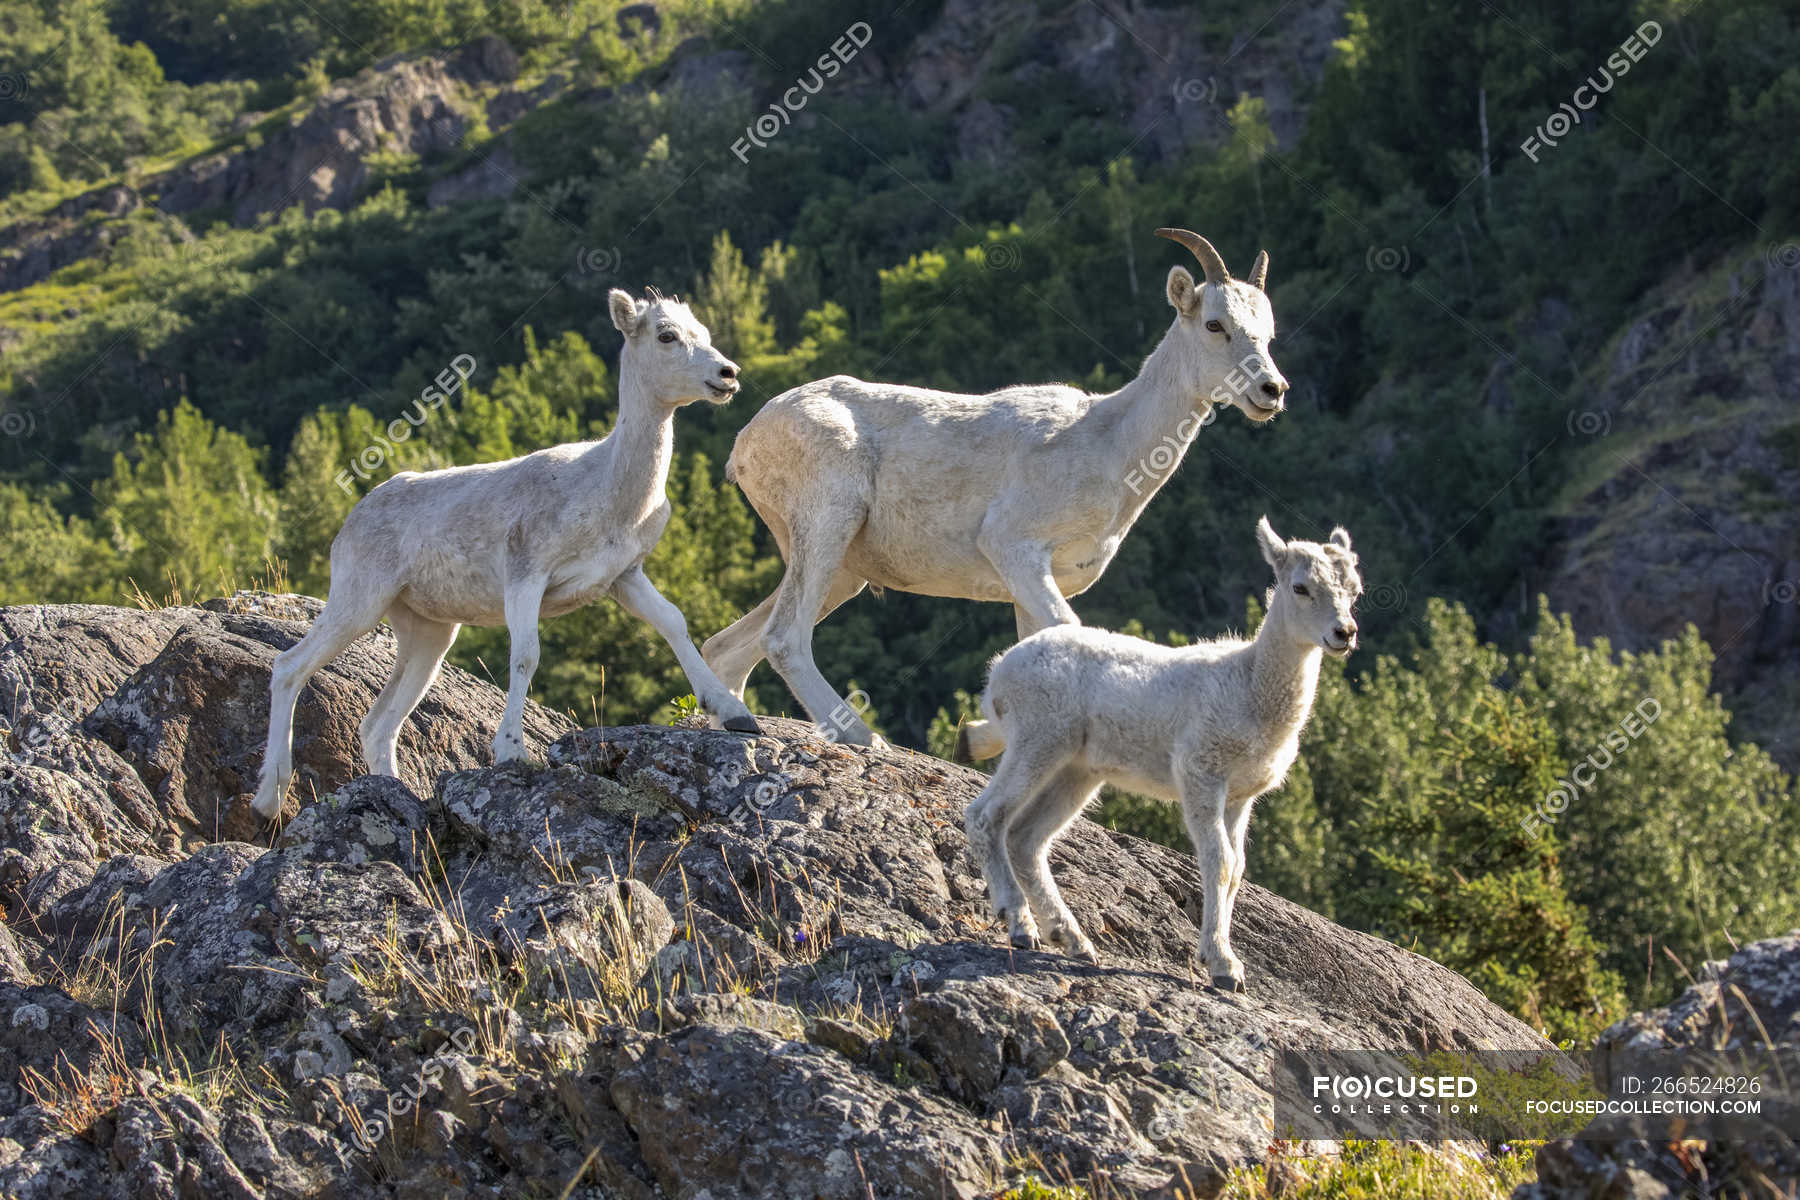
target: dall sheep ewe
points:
(1211, 726)
(1021, 495)
(507, 543)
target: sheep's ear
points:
(1182, 292)
(1340, 537)
(1273, 548)
(626, 311)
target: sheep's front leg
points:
(1238, 822)
(639, 597)
(1203, 811)
(1025, 570)
(524, 599)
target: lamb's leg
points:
(814, 575)
(1025, 569)
(524, 599)
(1238, 822)
(639, 597)
(1203, 811)
(348, 614)
(1024, 769)
(1034, 827)
(420, 649)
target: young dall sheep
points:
(1211, 726)
(507, 543)
(1021, 495)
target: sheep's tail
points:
(978, 740)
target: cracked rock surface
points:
(662, 962)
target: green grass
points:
(1384, 1171)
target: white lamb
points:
(507, 543)
(1212, 726)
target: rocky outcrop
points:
(322, 158)
(413, 105)
(1742, 1009)
(78, 228)
(140, 732)
(670, 962)
(1167, 73)
(1692, 477)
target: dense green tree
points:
(48, 554)
(188, 511)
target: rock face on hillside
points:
(412, 105)
(1695, 458)
(324, 158)
(703, 964)
(1168, 74)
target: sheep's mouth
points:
(1339, 651)
(1265, 412)
(721, 394)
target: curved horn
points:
(1259, 274)
(1211, 265)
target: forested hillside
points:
(244, 238)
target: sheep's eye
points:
(1215, 327)
(1300, 590)
(665, 336)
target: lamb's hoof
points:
(962, 755)
(1076, 945)
(743, 725)
(1226, 983)
(1025, 941)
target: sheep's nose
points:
(1273, 390)
(728, 371)
(1345, 632)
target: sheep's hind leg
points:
(639, 597)
(420, 646)
(814, 577)
(1023, 771)
(734, 651)
(347, 616)
(1203, 811)
(524, 599)
(1034, 827)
